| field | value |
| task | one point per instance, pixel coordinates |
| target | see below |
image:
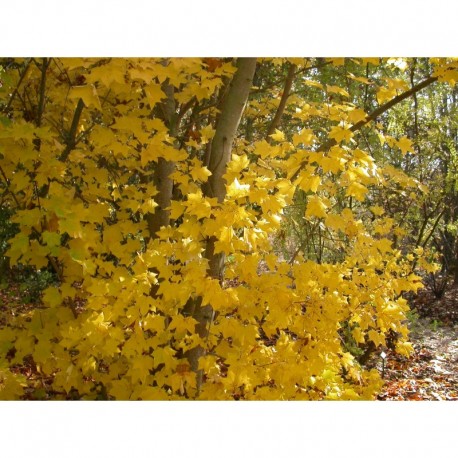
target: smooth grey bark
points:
(226, 126)
(221, 147)
(219, 155)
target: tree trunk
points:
(164, 168)
(219, 155)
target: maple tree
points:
(157, 191)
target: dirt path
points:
(431, 373)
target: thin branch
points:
(41, 102)
(184, 108)
(441, 214)
(426, 220)
(16, 89)
(374, 115)
(281, 107)
(71, 140)
(298, 72)
(7, 183)
(399, 98)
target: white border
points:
(235, 28)
(227, 429)
(307, 28)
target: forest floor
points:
(431, 372)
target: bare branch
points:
(281, 107)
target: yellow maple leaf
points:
(376, 337)
(356, 115)
(336, 61)
(313, 83)
(235, 166)
(310, 183)
(237, 190)
(340, 134)
(264, 149)
(88, 94)
(405, 145)
(384, 94)
(315, 207)
(335, 222)
(377, 210)
(337, 90)
(183, 324)
(148, 205)
(278, 136)
(404, 348)
(360, 79)
(226, 235)
(198, 205)
(52, 296)
(358, 335)
(176, 209)
(206, 134)
(305, 136)
(200, 173)
(357, 190)
(154, 93)
(371, 60)
(395, 83)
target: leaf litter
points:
(431, 372)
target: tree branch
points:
(71, 139)
(16, 89)
(7, 184)
(371, 117)
(41, 103)
(281, 107)
(227, 124)
(298, 72)
(399, 98)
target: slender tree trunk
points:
(164, 168)
(220, 154)
(226, 126)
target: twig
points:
(71, 140)
(16, 89)
(8, 187)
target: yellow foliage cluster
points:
(115, 321)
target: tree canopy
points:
(222, 228)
